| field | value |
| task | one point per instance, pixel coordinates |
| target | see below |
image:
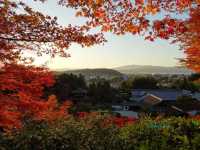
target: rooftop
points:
(164, 94)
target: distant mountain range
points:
(130, 69)
(94, 73)
(138, 69)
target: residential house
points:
(160, 100)
(126, 109)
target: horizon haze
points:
(118, 51)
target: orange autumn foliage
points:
(24, 30)
(21, 86)
(179, 21)
(21, 96)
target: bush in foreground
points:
(102, 133)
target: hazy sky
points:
(118, 51)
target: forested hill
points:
(131, 69)
(95, 73)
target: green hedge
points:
(147, 134)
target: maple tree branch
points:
(24, 40)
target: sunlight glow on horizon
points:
(118, 51)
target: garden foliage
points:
(91, 133)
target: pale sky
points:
(118, 51)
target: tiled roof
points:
(164, 94)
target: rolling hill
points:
(95, 73)
(139, 69)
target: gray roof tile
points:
(164, 94)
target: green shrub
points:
(88, 134)
(170, 133)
